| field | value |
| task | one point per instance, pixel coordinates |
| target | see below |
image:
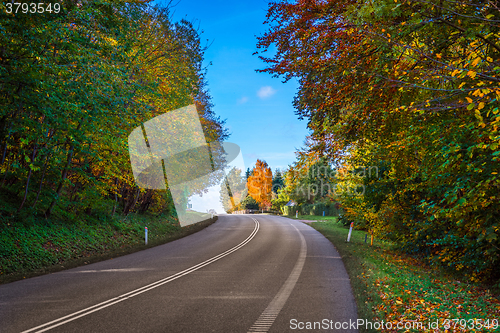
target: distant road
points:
(244, 273)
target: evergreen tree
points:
(278, 181)
(249, 203)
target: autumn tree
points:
(260, 183)
(73, 85)
(411, 87)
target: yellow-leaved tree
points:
(260, 184)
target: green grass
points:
(391, 287)
(43, 246)
(192, 216)
(315, 218)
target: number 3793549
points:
(32, 8)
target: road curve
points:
(244, 273)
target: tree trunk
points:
(4, 153)
(28, 180)
(131, 204)
(65, 173)
(61, 183)
(146, 201)
(116, 197)
(41, 180)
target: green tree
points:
(248, 173)
(249, 203)
(73, 86)
(278, 182)
(280, 201)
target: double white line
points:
(75, 315)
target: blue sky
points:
(258, 108)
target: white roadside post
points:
(350, 231)
(146, 235)
(296, 214)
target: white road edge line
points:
(267, 318)
(130, 294)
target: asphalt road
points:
(244, 273)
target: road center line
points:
(75, 315)
(267, 318)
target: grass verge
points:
(398, 289)
(41, 247)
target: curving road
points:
(244, 273)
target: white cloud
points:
(266, 92)
(242, 100)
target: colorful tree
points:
(260, 184)
(73, 86)
(411, 87)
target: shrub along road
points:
(400, 289)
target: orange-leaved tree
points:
(260, 183)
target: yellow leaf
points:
(468, 99)
(438, 55)
(480, 106)
(472, 74)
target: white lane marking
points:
(114, 270)
(130, 294)
(267, 318)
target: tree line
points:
(256, 189)
(73, 85)
(410, 87)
